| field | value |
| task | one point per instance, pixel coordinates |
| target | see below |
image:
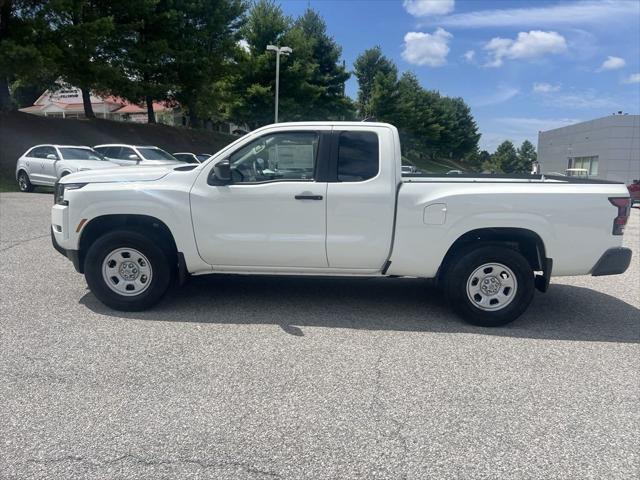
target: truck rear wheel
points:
(489, 285)
(127, 271)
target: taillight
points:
(624, 208)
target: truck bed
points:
(500, 178)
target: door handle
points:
(308, 197)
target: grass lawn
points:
(8, 185)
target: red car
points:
(634, 191)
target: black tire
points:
(161, 261)
(463, 267)
(24, 184)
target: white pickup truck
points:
(329, 198)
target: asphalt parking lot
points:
(263, 377)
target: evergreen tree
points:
(80, 31)
(477, 159)
(26, 50)
(505, 158)
(429, 124)
(526, 156)
(311, 78)
(327, 76)
(366, 68)
(253, 85)
(141, 46)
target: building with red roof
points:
(66, 102)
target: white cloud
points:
(422, 8)
(633, 78)
(469, 55)
(612, 63)
(502, 94)
(243, 44)
(579, 99)
(427, 48)
(543, 87)
(589, 12)
(535, 43)
(520, 124)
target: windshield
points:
(80, 154)
(155, 154)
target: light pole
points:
(279, 51)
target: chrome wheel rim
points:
(492, 287)
(22, 181)
(127, 272)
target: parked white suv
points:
(46, 164)
(135, 154)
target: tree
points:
(327, 77)
(384, 97)
(366, 67)
(459, 135)
(430, 125)
(505, 158)
(252, 87)
(26, 51)
(477, 159)
(311, 79)
(204, 43)
(526, 156)
(141, 47)
(80, 30)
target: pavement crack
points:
(65, 458)
(22, 242)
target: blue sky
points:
(522, 65)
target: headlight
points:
(60, 188)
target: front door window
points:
(279, 156)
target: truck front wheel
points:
(127, 271)
(489, 286)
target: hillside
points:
(19, 131)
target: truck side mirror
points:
(221, 173)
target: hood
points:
(89, 164)
(120, 174)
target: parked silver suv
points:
(46, 164)
(135, 154)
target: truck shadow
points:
(564, 313)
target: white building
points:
(66, 102)
(607, 147)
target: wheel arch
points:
(21, 168)
(523, 240)
(147, 224)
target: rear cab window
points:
(358, 156)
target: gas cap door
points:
(435, 214)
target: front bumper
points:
(72, 255)
(612, 262)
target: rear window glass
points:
(358, 156)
